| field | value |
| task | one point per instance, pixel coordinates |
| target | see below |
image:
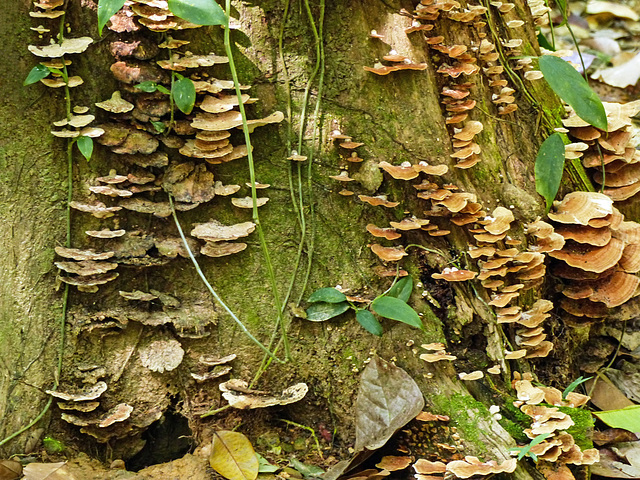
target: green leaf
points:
(106, 10)
(402, 289)
(184, 94)
(396, 309)
(148, 86)
(307, 471)
(321, 311)
(163, 89)
(572, 386)
(85, 145)
(200, 12)
(330, 295)
(159, 126)
(264, 466)
(369, 322)
(627, 418)
(549, 167)
(544, 43)
(573, 89)
(36, 74)
(523, 451)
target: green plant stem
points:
(214, 294)
(252, 178)
(308, 429)
(316, 116)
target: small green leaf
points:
(572, 386)
(523, 451)
(544, 43)
(51, 445)
(627, 418)
(330, 295)
(106, 10)
(159, 126)
(402, 289)
(36, 74)
(321, 311)
(396, 309)
(264, 466)
(369, 322)
(85, 145)
(163, 89)
(184, 94)
(200, 12)
(307, 471)
(549, 167)
(573, 89)
(148, 86)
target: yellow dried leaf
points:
(233, 457)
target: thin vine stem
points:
(214, 294)
(252, 178)
(316, 116)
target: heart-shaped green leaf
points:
(85, 145)
(396, 309)
(369, 322)
(330, 295)
(200, 12)
(36, 74)
(549, 167)
(184, 94)
(573, 89)
(106, 10)
(321, 311)
(402, 289)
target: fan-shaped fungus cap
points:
(86, 267)
(77, 254)
(412, 223)
(67, 46)
(425, 467)
(222, 103)
(477, 375)
(379, 69)
(247, 202)
(499, 221)
(116, 104)
(471, 466)
(221, 249)
(399, 172)
(437, 356)
(528, 393)
(615, 290)
(580, 207)
(470, 130)
(162, 355)
(88, 393)
(217, 232)
(388, 254)
(378, 200)
(454, 275)
(598, 237)
(388, 233)
(591, 259)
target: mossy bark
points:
(399, 118)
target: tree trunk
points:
(399, 117)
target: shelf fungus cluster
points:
(559, 449)
(347, 152)
(405, 171)
(156, 151)
(600, 258)
(611, 157)
(83, 408)
(530, 335)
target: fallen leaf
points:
(47, 471)
(620, 461)
(307, 471)
(388, 399)
(233, 457)
(10, 469)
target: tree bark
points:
(398, 117)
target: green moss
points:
(583, 425)
(464, 411)
(514, 421)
